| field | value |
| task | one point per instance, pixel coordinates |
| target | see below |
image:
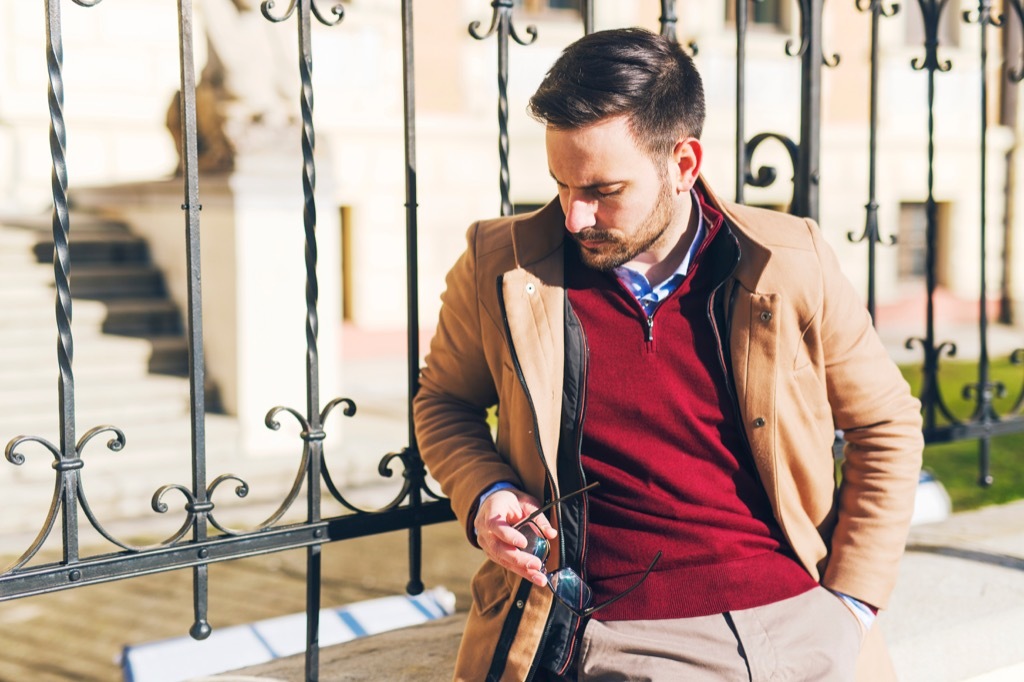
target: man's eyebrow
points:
(595, 185)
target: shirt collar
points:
(629, 275)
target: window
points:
(760, 13)
(541, 6)
(912, 241)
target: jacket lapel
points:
(533, 299)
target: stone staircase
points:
(130, 370)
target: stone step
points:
(41, 224)
(21, 277)
(159, 354)
(98, 247)
(116, 281)
(142, 317)
(40, 315)
(147, 393)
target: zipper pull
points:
(650, 328)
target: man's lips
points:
(592, 241)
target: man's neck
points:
(660, 262)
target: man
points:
(692, 358)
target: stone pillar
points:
(253, 280)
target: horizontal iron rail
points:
(117, 566)
(973, 431)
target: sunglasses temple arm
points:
(558, 500)
(588, 612)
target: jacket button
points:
(759, 422)
(530, 288)
(766, 316)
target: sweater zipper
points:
(648, 318)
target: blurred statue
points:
(246, 98)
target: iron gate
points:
(202, 540)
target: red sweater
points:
(662, 437)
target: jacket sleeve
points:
(457, 387)
(881, 422)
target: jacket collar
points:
(537, 235)
(755, 254)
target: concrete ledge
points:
(956, 615)
(424, 653)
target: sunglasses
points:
(565, 583)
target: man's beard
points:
(616, 251)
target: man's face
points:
(619, 204)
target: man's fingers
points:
(505, 533)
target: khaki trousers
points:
(810, 637)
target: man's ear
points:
(686, 161)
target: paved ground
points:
(79, 634)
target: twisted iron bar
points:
(871, 233)
(68, 467)
(501, 24)
(312, 434)
(806, 28)
(668, 20)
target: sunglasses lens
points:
(570, 588)
(536, 543)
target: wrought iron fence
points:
(416, 504)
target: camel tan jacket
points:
(804, 361)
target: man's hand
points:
(501, 542)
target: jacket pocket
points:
(490, 587)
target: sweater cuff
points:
(471, 520)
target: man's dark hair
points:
(624, 72)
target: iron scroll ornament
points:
(766, 175)
(337, 10)
(805, 33)
(68, 474)
(501, 19)
(878, 6)
(931, 13)
(309, 435)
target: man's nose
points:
(580, 214)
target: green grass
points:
(956, 464)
